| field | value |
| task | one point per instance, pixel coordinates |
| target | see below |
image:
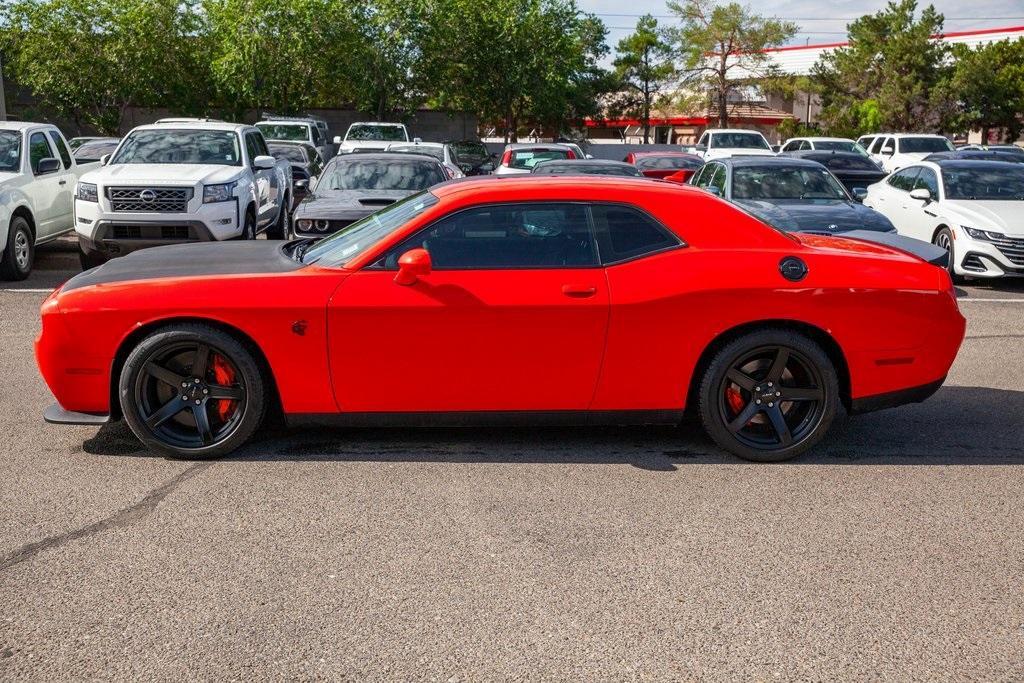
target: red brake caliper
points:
(735, 399)
(224, 376)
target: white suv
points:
(371, 136)
(716, 143)
(298, 129)
(893, 151)
(168, 183)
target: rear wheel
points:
(944, 239)
(282, 227)
(769, 396)
(19, 251)
(192, 392)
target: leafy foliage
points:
(644, 67)
(988, 85)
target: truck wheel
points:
(249, 227)
(19, 251)
(282, 226)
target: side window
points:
(789, 147)
(698, 177)
(718, 179)
(904, 180)
(876, 146)
(928, 181)
(624, 232)
(62, 148)
(703, 140)
(38, 149)
(506, 236)
(806, 145)
(261, 144)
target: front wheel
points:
(944, 239)
(192, 392)
(769, 396)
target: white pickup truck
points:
(192, 181)
(37, 181)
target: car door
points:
(44, 190)
(512, 317)
(264, 179)
(894, 200)
(921, 215)
(64, 202)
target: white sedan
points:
(973, 209)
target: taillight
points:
(506, 158)
(570, 154)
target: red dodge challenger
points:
(555, 300)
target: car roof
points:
(385, 156)
(187, 124)
(763, 160)
(23, 125)
(665, 153)
(584, 162)
(375, 123)
(535, 145)
(400, 143)
(529, 181)
(822, 138)
(971, 163)
(803, 153)
(910, 135)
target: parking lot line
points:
(43, 290)
(999, 301)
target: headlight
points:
(318, 224)
(986, 235)
(218, 193)
(87, 192)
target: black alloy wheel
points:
(192, 392)
(769, 396)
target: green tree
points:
(515, 61)
(988, 85)
(89, 60)
(888, 75)
(723, 47)
(644, 68)
(286, 56)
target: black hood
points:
(827, 216)
(189, 260)
(347, 204)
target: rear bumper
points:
(869, 404)
(57, 415)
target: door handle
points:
(579, 291)
(62, 182)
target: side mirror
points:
(412, 265)
(859, 193)
(337, 139)
(921, 193)
(589, 156)
(47, 165)
(700, 148)
(301, 184)
(264, 162)
(888, 150)
(104, 160)
(715, 190)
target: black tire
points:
(19, 252)
(249, 227)
(189, 413)
(282, 226)
(743, 393)
(944, 239)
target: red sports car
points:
(554, 299)
(679, 165)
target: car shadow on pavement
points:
(958, 426)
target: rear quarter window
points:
(624, 232)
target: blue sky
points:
(819, 22)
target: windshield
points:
(436, 152)
(284, 131)
(923, 145)
(366, 131)
(774, 182)
(844, 162)
(669, 162)
(839, 146)
(287, 152)
(354, 173)
(471, 152)
(94, 151)
(10, 151)
(990, 182)
(350, 242)
(166, 146)
(528, 158)
(739, 141)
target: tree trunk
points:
(723, 108)
(647, 116)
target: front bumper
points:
(988, 259)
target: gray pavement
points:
(894, 553)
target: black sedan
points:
(790, 194)
(306, 163)
(353, 186)
(587, 167)
(855, 171)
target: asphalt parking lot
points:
(894, 553)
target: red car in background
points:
(547, 299)
(677, 165)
